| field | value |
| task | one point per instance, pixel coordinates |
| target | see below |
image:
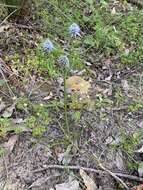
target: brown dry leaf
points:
(140, 169)
(107, 63)
(3, 28)
(48, 97)
(140, 187)
(18, 121)
(65, 157)
(140, 150)
(11, 186)
(119, 160)
(140, 124)
(89, 183)
(77, 84)
(113, 11)
(9, 111)
(11, 142)
(71, 185)
(2, 106)
(109, 77)
(39, 182)
(125, 86)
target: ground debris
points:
(71, 185)
(89, 183)
(11, 143)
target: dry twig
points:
(6, 18)
(61, 167)
(110, 172)
(114, 176)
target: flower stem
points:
(65, 102)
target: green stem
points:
(65, 103)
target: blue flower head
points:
(63, 60)
(74, 30)
(48, 45)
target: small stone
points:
(140, 169)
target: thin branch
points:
(6, 169)
(118, 109)
(8, 16)
(111, 173)
(114, 176)
(10, 90)
(5, 165)
(61, 167)
(10, 6)
(24, 26)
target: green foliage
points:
(13, 2)
(30, 122)
(2, 151)
(6, 127)
(3, 12)
(112, 35)
(117, 34)
(19, 8)
(128, 145)
(102, 101)
(132, 34)
(135, 106)
(46, 64)
(76, 60)
(89, 40)
(76, 116)
(38, 119)
(129, 142)
(2, 82)
(76, 102)
(22, 103)
(55, 105)
(36, 114)
(119, 97)
(38, 130)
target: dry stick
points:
(5, 165)
(10, 91)
(8, 17)
(24, 26)
(61, 167)
(6, 168)
(11, 6)
(111, 173)
(114, 176)
(123, 108)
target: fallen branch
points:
(61, 167)
(117, 178)
(114, 176)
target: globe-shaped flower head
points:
(74, 30)
(64, 61)
(47, 45)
